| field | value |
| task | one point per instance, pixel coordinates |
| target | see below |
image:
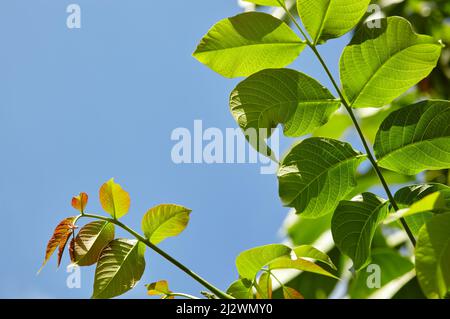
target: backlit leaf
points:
(280, 96)
(353, 226)
(119, 268)
(291, 293)
(328, 19)
(90, 241)
(299, 264)
(381, 63)
(79, 202)
(114, 200)
(264, 289)
(433, 256)
(308, 251)
(316, 174)
(159, 288)
(250, 262)
(387, 266)
(59, 239)
(415, 138)
(164, 221)
(248, 43)
(241, 289)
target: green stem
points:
(162, 253)
(179, 294)
(347, 106)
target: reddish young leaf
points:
(291, 293)
(79, 202)
(59, 239)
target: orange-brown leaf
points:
(291, 293)
(79, 202)
(59, 239)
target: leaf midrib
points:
(332, 167)
(380, 67)
(250, 45)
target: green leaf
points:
(307, 231)
(408, 195)
(280, 96)
(241, 289)
(251, 261)
(248, 43)
(286, 262)
(159, 288)
(264, 288)
(354, 224)
(308, 251)
(119, 268)
(90, 241)
(391, 265)
(415, 138)
(382, 63)
(432, 202)
(433, 256)
(316, 174)
(329, 19)
(270, 3)
(114, 199)
(163, 221)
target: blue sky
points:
(78, 107)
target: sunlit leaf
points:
(250, 262)
(353, 226)
(433, 256)
(90, 241)
(381, 63)
(114, 200)
(429, 203)
(164, 221)
(387, 266)
(241, 289)
(248, 43)
(264, 289)
(415, 138)
(79, 202)
(408, 195)
(299, 264)
(280, 96)
(59, 239)
(316, 174)
(159, 288)
(119, 268)
(328, 19)
(308, 251)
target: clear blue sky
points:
(78, 107)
